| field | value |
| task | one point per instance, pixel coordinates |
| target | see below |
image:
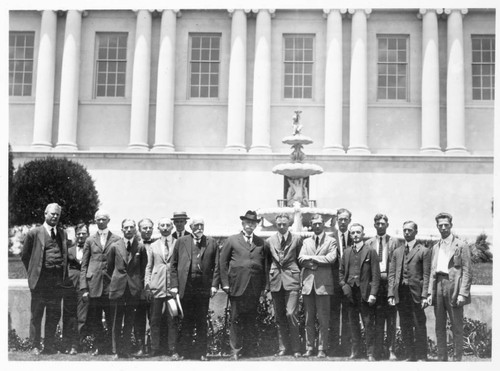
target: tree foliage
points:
(42, 181)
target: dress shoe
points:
(235, 356)
(281, 353)
(308, 353)
(36, 351)
(73, 351)
(392, 356)
(297, 355)
(95, 352)
(371, 359)
(203, 358)
(321, 354)
(354, 356)
(176, 357)
(139, 354)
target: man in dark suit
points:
(243, 279)
(340, 332)
(408, 285)
(195, 277)
(45, 257)
(359, 278)
(385, 314)
(316, 257)
(180, 219)
(127, 260)
(283, 280)
(94, 282)
(142, 311)
(449, 286)
(74, 307)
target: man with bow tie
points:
(449, 286)
(45, 257)
(243, 279)
(127, 260)
(94, 282)
(195, 278)
(359, 276)
(316, 258)
(157, 285)
(407, 289)
(283, 280)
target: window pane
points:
(288, 92)
(204, 91)
(214, 92)
(120, 91)
(194, 92)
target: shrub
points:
(42, 181)
(480, 250)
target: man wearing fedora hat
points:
(243, 279)
(180, 219)
(195, 277)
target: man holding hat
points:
(180, 219)
(243, 279)
(195, 277)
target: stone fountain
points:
(297, 203)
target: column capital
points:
(177, 12)
(326, 12)
(424, 11)
(462, 11)
(367, 11)
(231, 11)
(137, 11)
(272, 12)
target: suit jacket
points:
(94, 277)
(336, 263)
(459, 271)
(74, 268)
(176, 236)
(33, 251)
(369, 278)
(392, 244)
(181, 262)
(126, 269)
(419, 268)
(319, 276)
(282, 272)
(242, 265)
(157, 277)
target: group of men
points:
(344, 281)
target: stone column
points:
(44, 95)
(333, 82)
(455, 84)
(139, 115)
(261, 116)
(236, 103)
(358, 108)
(70, 84)
(430, 82)
(164, 130)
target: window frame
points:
(284, 63)
(24, 60)
(396, 63)
(117, 60)
(209, 62)
(481, 76)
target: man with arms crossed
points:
(283, 280)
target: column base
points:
(138, 147)
(431, 151)
(234, 148)
(163, 148)
(42, 147)
(358, 151)
(457, 151)
(333, 150)
(260, 149)
(66, 147)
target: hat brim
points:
(175, 307)
(180, 218)
(250, 219)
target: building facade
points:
(185, 109)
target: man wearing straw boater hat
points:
(243, 279)
(180, 219)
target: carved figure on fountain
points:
(297, 192)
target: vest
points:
(354, 268)
(53, 255)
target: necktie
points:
(343, 241)
(249, 240)
(128, 249)
(407, 249)
(166, 248)
(52, 234)
(380, 249)
(198, 243)
(283, 242)
(317, 242)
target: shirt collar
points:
(319, 235)
(448, 239)
(358, 245)
(103, 231)
(245, 235)
(411, 243)
(285, 236)
(48, 228)
(127, 240)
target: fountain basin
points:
(297, 139)
(297, 169)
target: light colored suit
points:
(444, 291)
(317, 286)
(283, 279)
(158, 268)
